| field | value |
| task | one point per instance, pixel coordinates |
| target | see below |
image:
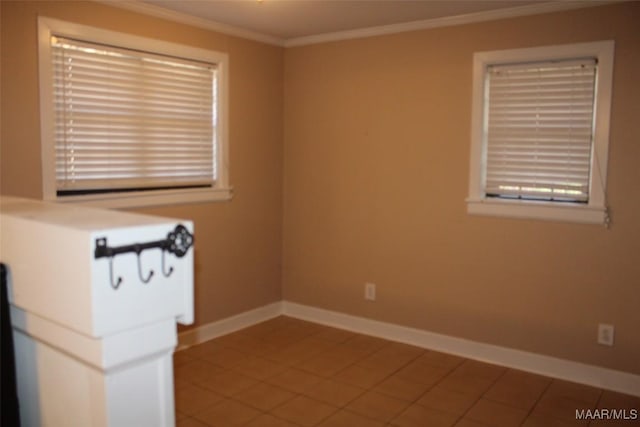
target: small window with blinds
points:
(127, 120)
(540, 132)
(129, 117)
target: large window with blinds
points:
(130, 121)
(540, 132)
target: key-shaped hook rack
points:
(177, 242)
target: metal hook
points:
(166, 274)
(115, 285)
(149, 276)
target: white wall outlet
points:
(370, 291)
(605, 334)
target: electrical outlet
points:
(605, 334)
(370, 291)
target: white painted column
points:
(88, 354)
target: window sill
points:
(148, 198)
(551, 211)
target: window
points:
(129, 121)
(540, 130)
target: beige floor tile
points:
(613, 400)
(518, 389)
(466, 384)
(544, 421)
(182, 357)
(300, 351)
(559, 407)
(228, 383)
(197, 371)
(448, 401)
(258, 368)
(223, 356)
(197, 351)
(400, 388)
(333, 335)
(261, 329)
(469, 423)
(192, 399)
(228, 413)
(355, 353)
(442, 360)
(268, 420)
(295, 380)
(334, 393)
(361, 376)
(304, 411)
(609, 421)
(288, 372)
(395, 354)
(583, 393)
(328, 363)
(349, 419)
(401, 350)
(179, 383)
(264, 396)
(621, 410)
(247, 344)
(190, 422)
(496, 414)
(286, 337)
(365, 343)
(481, 370)
(420, 416)
(422, 373)
(562, 399)
(377, 406)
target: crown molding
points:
(534, 9)
(194, 21)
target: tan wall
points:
(238, 243)
(376, 174)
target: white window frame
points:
(220, 190)
(595, 210)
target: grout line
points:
(260, 340)
(533, 407)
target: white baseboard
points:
(596, 376)
(228, 325)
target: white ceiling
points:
(287, 21)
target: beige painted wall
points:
(376, 174)
(238, 243)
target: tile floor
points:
(288, 372)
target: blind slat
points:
(539, 130)
(130, 119)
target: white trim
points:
(525, 209)
(533, 9)
(228, 325)
(137, 199)
(194, 21)
(623, 382)
(596, 376)
(221, 190)
(595, 211)
(447, 21)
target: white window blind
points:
(539, 130)
(131, 120)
